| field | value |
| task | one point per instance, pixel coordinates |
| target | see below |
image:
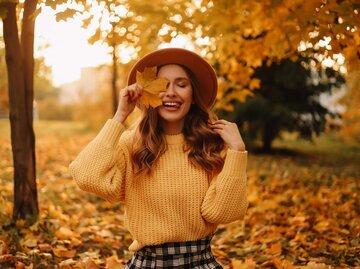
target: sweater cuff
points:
(235, 162)
(110, 133)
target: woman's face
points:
(176, 100)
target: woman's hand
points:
(230, 133)
(128, 98)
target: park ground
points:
(304, 208)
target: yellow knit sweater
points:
(175, 203)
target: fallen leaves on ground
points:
(303, 213)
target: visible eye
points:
(182, 85)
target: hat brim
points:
(206, 79)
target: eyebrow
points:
(181, 78)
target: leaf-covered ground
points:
(304, 212)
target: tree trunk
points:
(27, 49)
(269, 134)
(113, 80)
(20, 80)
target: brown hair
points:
(204, 145)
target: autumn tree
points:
(20, 70)
(288, 99)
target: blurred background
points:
(282, 65)
(288, 73)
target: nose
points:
(170, 91)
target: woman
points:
(179, 174)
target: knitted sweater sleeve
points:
(104, 164)
(226, 199)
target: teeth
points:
(171, 104)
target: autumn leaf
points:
(65, 233)
(30, 242)
(3, 248)
(60, 251)
(90, 264)
(152, 86)
(275, 249)
(45, 247)
(114, 263)
(248, 264)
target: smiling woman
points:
(180, 173)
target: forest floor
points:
(304, 209)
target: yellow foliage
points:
(351, 117)
(254, 84)
(250, 34)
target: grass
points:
(49, 128)
(327, 144)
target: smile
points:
(172, 104)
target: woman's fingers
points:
(216, 126)
(133, 92)
(224, 122)
(220, 124)
(136, 92)
(128, 97)
(229, 132)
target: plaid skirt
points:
(187, 255)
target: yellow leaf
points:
(69, 263)
(45, 247)
(20, 223)
(275, 249)
(152, 86)
(90, 264)
(3, 248)
(114, 263)
(237, 264)
(146, 76)
(322, 226)
(254, 83)
(248, 264)
(63, 252)
(315, 265)
(65, 233)
(30, 242)
(288, 265)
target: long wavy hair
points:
(203, 145)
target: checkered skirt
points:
(186, 255)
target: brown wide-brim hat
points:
(206, 80)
